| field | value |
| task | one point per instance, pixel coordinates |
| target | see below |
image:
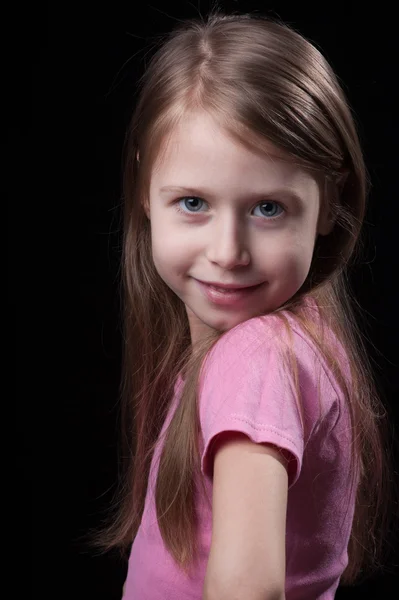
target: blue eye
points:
(195, 198)
(268, 207)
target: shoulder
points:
(280, 339)
(267, 372)
(253, 333)
(273, 338)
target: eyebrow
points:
(254, 195)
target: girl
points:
(256, 465)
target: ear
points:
(326, 221)
(146, 209)
(329, 198)
(145, 205)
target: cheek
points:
(291, 263)
(170, 252)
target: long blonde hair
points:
(262, 81)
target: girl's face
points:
(245, 219)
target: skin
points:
(225, 233)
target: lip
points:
(233, 297)
(228, 286)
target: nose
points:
(228, 245)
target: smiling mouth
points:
(228, 297)
(228, 287)
(230, 290)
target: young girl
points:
(256, 464)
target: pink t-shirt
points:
(244, 386)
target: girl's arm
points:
(250, 488)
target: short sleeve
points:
(247, 386)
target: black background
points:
(74, 83)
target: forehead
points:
(199, 148)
